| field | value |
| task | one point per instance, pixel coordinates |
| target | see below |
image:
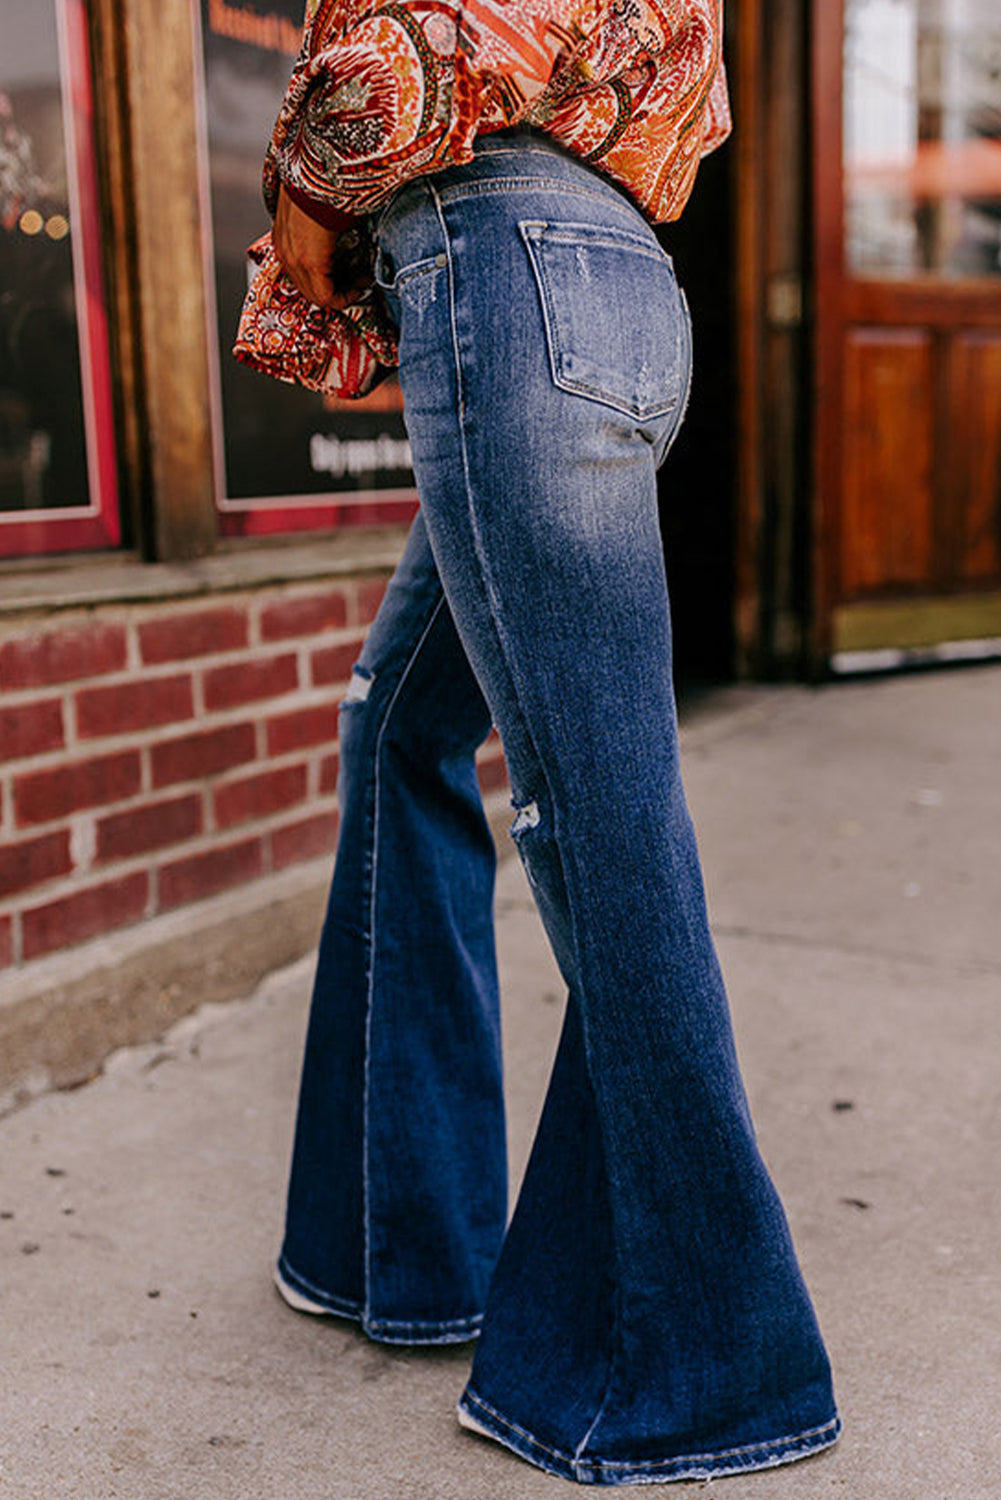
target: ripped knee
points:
(359, 687)
(526, 817)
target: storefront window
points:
(285, 458)
(923, 137)
(57, 486)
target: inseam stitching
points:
(370, 986)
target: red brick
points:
(329, 766)
(203, 754)
(129, 706)
(257, 796)
(34, 861)
(492, 773)
(243, 681)
(303, 840)
(73, 919)
(62, 655)
(41, 796)
(201, 632)
(369, 598)
(334, 663)
(305, 615)
(151, 826)
(31, 728)
(6, 942)
(303, 726)
(202, 875)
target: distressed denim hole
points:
(359, 687)
(419, 290)
(526, 818)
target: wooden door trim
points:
(933, 302)
(144, 71)
(749, 194)
(827, 51)
(916, 622)
(121, 277)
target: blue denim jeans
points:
(642, 1318)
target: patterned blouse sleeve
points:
(383, 92)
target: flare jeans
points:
(642, 1317)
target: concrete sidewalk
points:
(850, 837)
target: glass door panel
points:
(922, 138)
(907, 420)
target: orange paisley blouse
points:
(386, 90)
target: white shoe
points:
(297, 1300)
(471, 1424)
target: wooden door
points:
(907, 173)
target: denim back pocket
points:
(613, 314)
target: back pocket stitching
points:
(533, 231)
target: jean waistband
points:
(519, 152)
(518, 135)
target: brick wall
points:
(154, 755)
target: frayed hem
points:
(379, 1330)
(482, 1418)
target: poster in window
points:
(57, 462)
(286, 458)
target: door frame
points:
(931, 623)
(826, 54)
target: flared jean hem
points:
(591, 1470)
(382, 1330)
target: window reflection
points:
(42, 437)
(923, 137)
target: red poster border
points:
(23, 533)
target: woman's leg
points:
(647, 1319)
(397, 1197)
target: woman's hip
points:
(540, 282)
